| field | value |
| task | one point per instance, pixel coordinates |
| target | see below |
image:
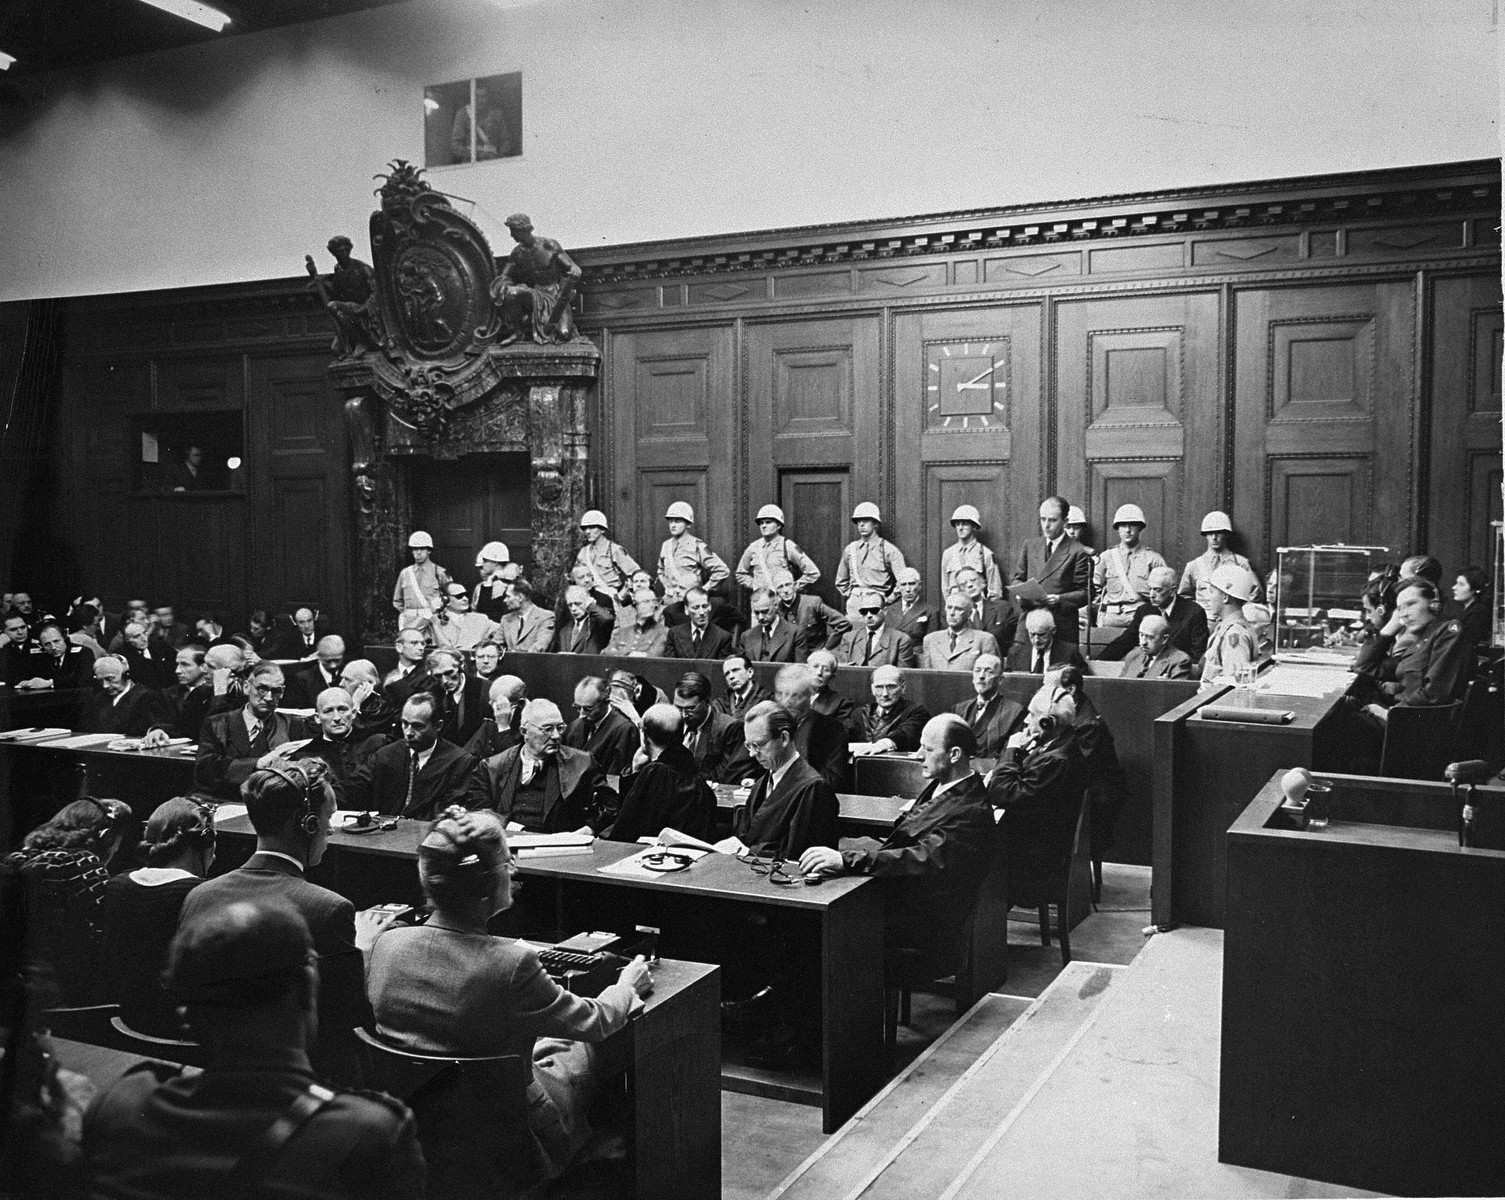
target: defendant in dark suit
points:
(543, 785)
(121, 705)
(419, 776)
(699, 637)
(232, 744)
(1060, 565)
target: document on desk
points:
(546, 845)
(84, 741)
(34, 734)
(228, 812)
(1316, 681)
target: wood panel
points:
(659, 489)
(1464, 492)
(1325, 403)
(473, 500)
(960, 442)
(673, 410)
(1139, 421)
(212, 383)
(818, 505)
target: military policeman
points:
(684, 561)
(871, 563)
(610, 567)
(1121, 578)
(419, 594)
(772, 553)
(1217, 529)
(967, 551)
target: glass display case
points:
(1316, 589)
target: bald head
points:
(662, 727)
(224, 658)
(888, 686)
(358, 671)
(794, 687)
(334, 709)
(543, 728)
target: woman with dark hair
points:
(449, 987)
(1471, 604)
(63, 866)
(141, 911)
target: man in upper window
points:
(1058, 566)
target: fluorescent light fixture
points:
(191, 10)
(6, 60)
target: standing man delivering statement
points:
(1058, 568)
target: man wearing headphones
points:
(290, 806)
(1433, 670)
(233, 744)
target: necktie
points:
(1144, 669)
(953, 641)
(872, 646)
(695, 643)
(256, 733)
(530, 769)
(1039, 667)
(412, 779)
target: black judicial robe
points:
(801, 812)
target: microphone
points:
(1471, 772)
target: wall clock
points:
(966, 384)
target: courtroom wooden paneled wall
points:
(1321, 357)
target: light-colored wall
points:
(666, 118)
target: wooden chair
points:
(101, 1025)
(1419, 740)
(1055, 886)
(472, 1117)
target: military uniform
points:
(419, 594)
(610, 566)
(870, 564)
(687, 562)
(1433, 670)
(1194, 578)
(1232, 645)
(762, 560)
(1121, 582)
(158, 1132)
(959, 556)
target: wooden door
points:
(818, 505)
(473, 500)
(1325, 406)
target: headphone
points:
(308, 819)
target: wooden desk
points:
(839, 923)
(1363, 982)
(43, 706)
(1205, 773)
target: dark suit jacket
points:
(331, 921)
(1022, 656)
(999, 617)
(715, 642)
(589, 637)
(1188, 626)
(786, 645)
(801, 812)
(190, 706)
(381, 783)
(139, 709)
(74, 669)
(576, 792)
(916, 623)
(1040, 792)
(822, 742)
(1170, 663)
(489, 740)
(904, 725)
(226, 756)
(932, 864)
(343, 758)
(894, 649)
(611, 744)
(477, 709)
(831, 703)
(416, 680)
(818, 621)
(153, 669)
(737, 709)
(1067, 573)
(304, 685)
(992, 723)
(668, 791)
(718, 752)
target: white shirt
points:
(946, 787)
(778, 774)
(531, 766)
(425, 755)
(156, 876)
(287, 857)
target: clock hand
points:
(972, 383)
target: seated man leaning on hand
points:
(936, 856)
(542, 784)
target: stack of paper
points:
(546, 845)
(35, 734)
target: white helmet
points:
(680, 511)
(493, 552)
(966, 512)
(1129, 514)
(593, 516)
(866, 511)
(1075, 516)
(420, 539)
(1216, 522)
(1235, 581)
(771, 512)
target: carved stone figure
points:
(348, 298)
(535, 287)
